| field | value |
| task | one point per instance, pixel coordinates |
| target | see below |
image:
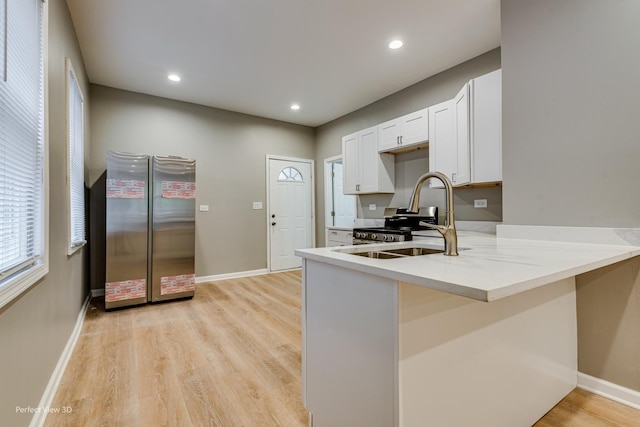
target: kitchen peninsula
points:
(487, 338)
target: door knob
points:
(273, 223)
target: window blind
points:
(21, 137)
(77, 227)
(3, 39)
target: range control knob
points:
(374, 236)
(389, 238)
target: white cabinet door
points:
(404, 133)
(369, 157)
(486, 128)
(462, 173)
(389, 133)
(415, 128)
(442, 149)
(365, 170)
(350, 163)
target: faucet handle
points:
(440, 228)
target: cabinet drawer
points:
(341, 237)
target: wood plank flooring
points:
(583, 409)
(229, 357)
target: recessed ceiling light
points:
(295, 106)
(174, 77)
(395, 44)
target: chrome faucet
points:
(448, 230)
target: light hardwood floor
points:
(228, 357)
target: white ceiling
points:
(260, 56)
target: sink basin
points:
(377, 254)
(415, 251)
(396, 253)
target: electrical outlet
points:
(204, 208)
(257, 205)
(372, 206)
(480, 203)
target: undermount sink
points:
(397, 253)
(416, 251)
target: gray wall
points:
(409, 166)
(571, 144)
(35, 327)
(230, 151)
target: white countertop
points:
(488, 267)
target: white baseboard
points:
(612, 391)
(97, 293)
(50, 392)
(236, 275)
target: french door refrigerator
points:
(127, 225)
(172, 228)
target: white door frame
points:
(328, 188)
(270, 157)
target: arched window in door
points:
(290, 174)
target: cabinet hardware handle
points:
(397, 140)
(400, 139)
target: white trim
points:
(225, 276)
(69, 71)
(97, 293)
(328, 189)
(268, 158)
(50, 392)
(45, 237)
(611, 391)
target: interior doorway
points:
(339, 208)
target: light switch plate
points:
(480, 203)
(204, 208)
(372, 206)
(257, 205)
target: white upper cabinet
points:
(442, 148)
(465, 140)
(486, 128)
(461, 175)
(364, 169)
(405, 133)
(350, 163)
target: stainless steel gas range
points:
(398, 226)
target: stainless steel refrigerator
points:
(127, 225)
(172, 228)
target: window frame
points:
(290, 177)
(73, 247)
(15, 286)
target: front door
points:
(290, 216)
